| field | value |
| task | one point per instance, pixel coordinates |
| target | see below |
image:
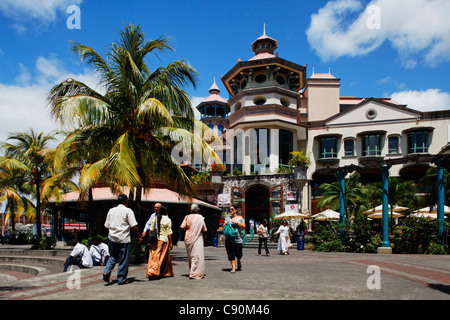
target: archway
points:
(257, 204)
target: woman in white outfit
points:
(283, 231)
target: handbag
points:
(153, 236)
(229, 232)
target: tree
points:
(28, 162)
(11, 192)
(137, 121)
(401, 193)
(353, 192)
(430, 180)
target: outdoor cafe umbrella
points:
(327, 215)
(379, 209)
(433, 209)
(291, 215)
(429, 212)
(379, 215)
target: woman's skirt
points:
(159, 263)
(196, 258)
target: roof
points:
(263, 55)
(162, 195)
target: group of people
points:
(120, 222)
(83, 257)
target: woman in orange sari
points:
(159, 262)
(194, 239)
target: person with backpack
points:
(233, 240)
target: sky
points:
(397, 49)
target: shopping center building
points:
(274, 109)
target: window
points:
(260, 78)
(259, 149)
(286, 146)
(371, 145)
(327, 148)
(237, 152)
(393, 143)
(259, 100)
(418, 142)
(349, 147)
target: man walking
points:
(119, 221)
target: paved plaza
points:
(302, 275)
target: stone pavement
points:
(302, 275)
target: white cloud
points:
(25, 14)
(429, 100)
(23, 105)
(45, 10)
(419, 30)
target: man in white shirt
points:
(80, 256)
(149, 221)
(119, 221)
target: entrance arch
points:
(257, 204)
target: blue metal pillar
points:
(341, 175)
(440, 198)
(385, 183)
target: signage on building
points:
(291, 208)
(224, 200)
(291, 195)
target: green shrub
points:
(41, 243)
(326, 238)
(418, 235)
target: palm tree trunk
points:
(38, 209)
(90, 211)
(139, 205)
(12, 216)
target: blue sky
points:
(379, 48)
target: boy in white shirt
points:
(80, 256)
(99, 252)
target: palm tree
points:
(401, 193)
(135, 121)
(28, 159)
(430, 180)
(353, 194)
(12, 189)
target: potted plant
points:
(216, 171)
(300, 162)
(299, 159)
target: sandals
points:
(233, 271)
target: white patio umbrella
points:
(429, 216)
(379, 209)
(433, 210)
(429, 212)
(291, 215)
(327, 215)
(379, 215)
